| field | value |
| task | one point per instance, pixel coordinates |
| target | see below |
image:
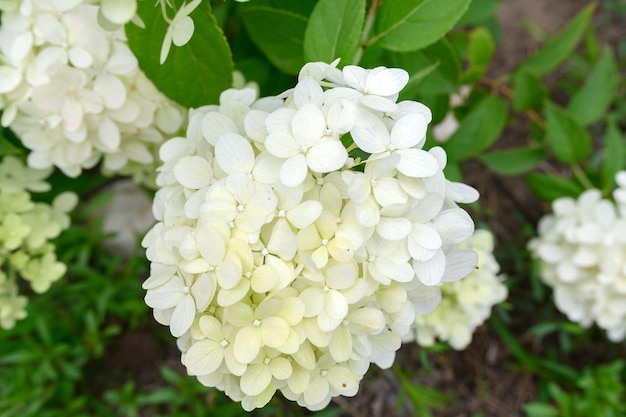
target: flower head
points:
(582, 249)
(283, 262)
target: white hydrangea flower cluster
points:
(74, 93)
(465, 304)
(112, 14)
(298, 237)
(582, 249)
(25, 230)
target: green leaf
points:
(529, 91)
(278, 33)
(6, 147)
(561, 46)
(540, 410)
(480, 51)
(550, 187)
(569, 141)
(334, 30)
(614, 154)
(481, 47)
(409, 25)
(513, 161)
(478, 129)
(591, 102)
(436, 69)
(479, 11)
(194, 74)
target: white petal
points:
(340, 346)
(118, 11)
(397, 272)
(282, 145)
(167, 295)
(386, 81)
(216, 124)
(274, 331)
(293, 171)
(426, 299)
(304, 214)
(72, 113)
(204, 357)
(370, 134)
(10, 78)
(326, 155)
(247, 344)
(111, 89)
(308, 91)
(203, 291)
(408, 131)
(459, 264)
(193, 172)
(182, 31)
(417, 163)
(308, 125)
(80, 58)
(183, 316)
(281, 368)
(109, 134)
(431, 272)
(393, 228)
(234, 153)
(454, 225)
(256, 379)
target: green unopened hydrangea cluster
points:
(26, 228)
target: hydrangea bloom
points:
(582, 249)
(465, 304)
(74, 94)
(299, 235)
(25, 231)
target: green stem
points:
(367, 29)
(581, 176)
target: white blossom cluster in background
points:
(25, 230)
(582, 249)
(74, 94)
(298, 236)
(112, 14)
(465, 304)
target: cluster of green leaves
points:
(599, 391)
(45, 358)
(584, 135)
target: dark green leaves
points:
(278, 33)
(615, 154)
(550, 187)
(334, 30)
(480, 51)
(194, 74)
(529, 91)
(479, 129)
(513, 161)
(409, 25)
(590, 103)
(561, 46)
(569, 141)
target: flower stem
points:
(581, 176)
(367, 29)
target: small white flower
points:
(180, 29)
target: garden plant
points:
(317, 207)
